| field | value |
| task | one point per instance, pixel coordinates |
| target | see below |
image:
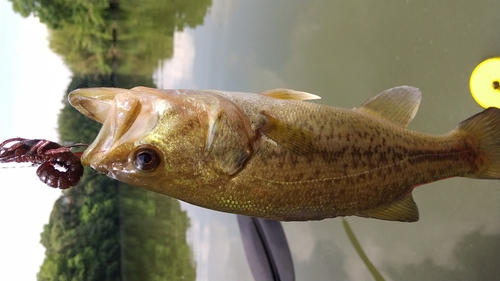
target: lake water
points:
(346, 52)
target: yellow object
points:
(485, 83)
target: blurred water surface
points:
(346, 52)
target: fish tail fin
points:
(485, 127)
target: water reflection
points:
(475, 258)
(347, 52)
(153, 237)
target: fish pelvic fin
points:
(484, 127)
(287, 94)
(398, 105)
(404, 210)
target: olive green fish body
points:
(354, 163)
(274, 156)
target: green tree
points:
(84, 50)
(93, 35)
(81, 30)
(101, 229)
(82, 238)
(146, 30)
(57, 13)
(154, 237)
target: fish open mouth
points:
(126, 116)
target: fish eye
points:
(146, 158)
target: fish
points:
(274, 155)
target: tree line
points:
(128, 37)
(102, 229)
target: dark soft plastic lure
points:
(48, 155)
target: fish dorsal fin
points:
(287, 94)
(398, 105)
(403, 210)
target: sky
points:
(33, 81)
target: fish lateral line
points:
(351, 175)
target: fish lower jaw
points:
(111, 172)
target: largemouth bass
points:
(273, 156)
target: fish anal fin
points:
(398, 105)
(287, 94)
(404, 210)
(298, 140)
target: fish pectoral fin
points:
(298, 140)
(398, 105)
(403, 210)
(287, 94)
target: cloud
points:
(41, 84)
(221, 11)
(177, 72)
(37, 81)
